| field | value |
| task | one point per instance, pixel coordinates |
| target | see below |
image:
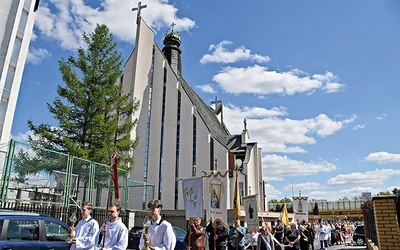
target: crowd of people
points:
(159, 234)
(296, 236)
(303, 235)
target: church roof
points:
(216, 128)
(205, 112)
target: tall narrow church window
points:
(241, 190)
(146, 154)
(161, 161)
(211, 154)
(194, 146)
(177, 149)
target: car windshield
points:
(360, 230)
(179, 232)
(136, 230)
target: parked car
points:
(20, 231)
(359, 235)
(136, 232)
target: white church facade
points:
(179, 135)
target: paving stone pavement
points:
(340, 247)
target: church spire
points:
(171, 50)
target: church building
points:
(179, 135)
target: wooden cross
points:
(216, 102)
(140, 6)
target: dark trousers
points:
(323, 243)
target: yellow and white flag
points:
(236, 200)
(284, 216)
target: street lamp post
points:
(292, 187)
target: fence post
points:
(7, 170)
(67, 187)
(92, 173)
(126, 189)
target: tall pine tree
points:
(94, 114)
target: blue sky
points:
(317, 81)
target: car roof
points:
(6, 215)
(17, 213)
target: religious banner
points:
(114, 175)
(251, 211)
(300, 208)
(215, 195)
(193, 197)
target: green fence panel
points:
(36, 175)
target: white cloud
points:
(368, 178)
(22, 137)
(35, 56)
(303, 186)
(383, 157)
(381, 117)
(331, 85)
(359, 126)
(272, 192)
(336, 194)
(221, 54)
(208, 88)
(65, 20)
(259, 80)
(281, 166)
(277, 134)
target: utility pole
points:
(291, 180)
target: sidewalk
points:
(340, 247)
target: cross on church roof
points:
(173, 25)
(216, 102)
(140, 6)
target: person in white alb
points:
(113, 233)
(322, 235)
(86, 231)
(160, 234)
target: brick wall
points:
(386, 220)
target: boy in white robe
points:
(114, 232)
(160, 235)
(85, 235)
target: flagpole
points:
(215, 232)
(112, 162)
(236, 207)
(189, 240)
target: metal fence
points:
(322, 205)
(37, 175)
(370, 227)
(34, 179)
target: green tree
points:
(384, 193)
(316, 209)
(94, 114)
(396, 191)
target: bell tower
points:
(171, 50)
